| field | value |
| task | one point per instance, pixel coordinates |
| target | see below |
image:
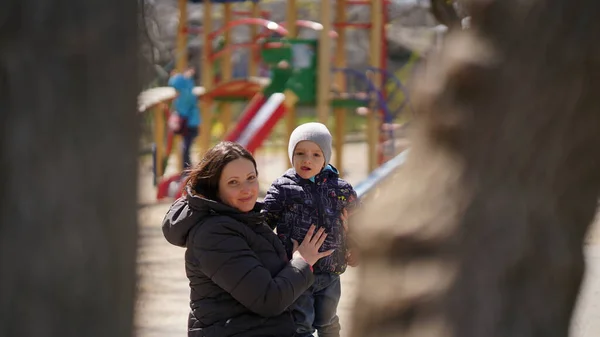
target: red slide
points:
(254, 126)
(258, 120)
(251, 109)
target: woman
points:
(241, 281)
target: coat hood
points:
(192, 209)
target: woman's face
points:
(238, 185)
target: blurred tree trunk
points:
(484, 225)
(68, 87)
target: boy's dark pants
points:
(316, 308)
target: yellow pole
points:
(181, 62)
(324, 66)
(252, 64)
(290, 121)
(373, 119)
(159, 138)
(207, 79)
(291, 17)
(226, 70)
(182, 37)
(340, 81)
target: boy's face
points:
(308, 159)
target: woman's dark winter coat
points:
(240, 278)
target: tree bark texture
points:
(481, 232)
(68, 154)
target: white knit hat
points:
(315, 132)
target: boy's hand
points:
(352, 258)
(344, 218)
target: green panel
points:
(300, 76)
(272, 56)
(279, 80)
(304, 63)
(348, 103)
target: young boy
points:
(312, 193)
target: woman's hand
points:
(309, 248)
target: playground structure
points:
(296, 65)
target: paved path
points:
(162, 305)
(587, 314)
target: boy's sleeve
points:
(353, 203)
(273, 205)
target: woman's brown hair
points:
(204, 178)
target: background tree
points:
(68, 154)
(484, 225)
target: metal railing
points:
(379, 174)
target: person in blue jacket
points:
(186, 106)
